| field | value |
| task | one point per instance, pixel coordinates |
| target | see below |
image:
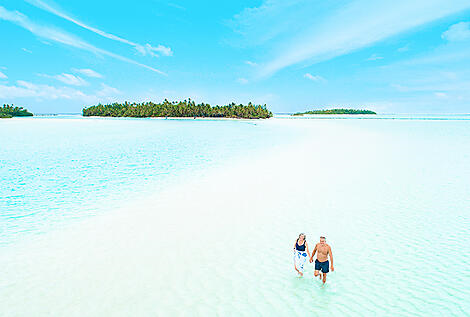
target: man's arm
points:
(331, 258)
(313, 253)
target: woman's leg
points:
(302, 260)
(297, 264)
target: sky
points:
(293, 55)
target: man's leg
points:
(317, 269)
(325, 269)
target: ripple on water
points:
(400, 237)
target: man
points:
(321, 263)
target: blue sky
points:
(390, 56)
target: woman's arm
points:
(306, 246)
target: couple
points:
(321, 263)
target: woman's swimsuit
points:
(299, 247)
(300, 256)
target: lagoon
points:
(103, 216)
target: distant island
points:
(336, 111)
(8, 111)
(178, 109)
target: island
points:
(335, 111)
(175, 109)
(10, 111)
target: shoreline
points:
(398, 117)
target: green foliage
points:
(8, 111)
(336, 111)
(178, 109)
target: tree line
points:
(186, 108)
(336, 111)
(9, 111)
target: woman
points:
(300, 256)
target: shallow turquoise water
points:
(392, 197)
(56, 169)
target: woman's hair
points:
(302, 234)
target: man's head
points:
(322, 240)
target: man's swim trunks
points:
(322, 266)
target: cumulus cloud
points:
(457, 32)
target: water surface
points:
(230, 197)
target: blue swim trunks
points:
(322, 266)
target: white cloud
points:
(152, 51)
(242, 81)
(314, 77)
(26, 50)
(403, 49)
(250, 63)
(374, 57)
(440, 94)
(271, 19)
(68, 79)
(25, 89)
(440, 85)
(107, 92)
(3, 76)
(333, 28)
(177, 6)
(88, 72)
(457, 32)
(59, 36)
(443, 54)
(143, 49)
